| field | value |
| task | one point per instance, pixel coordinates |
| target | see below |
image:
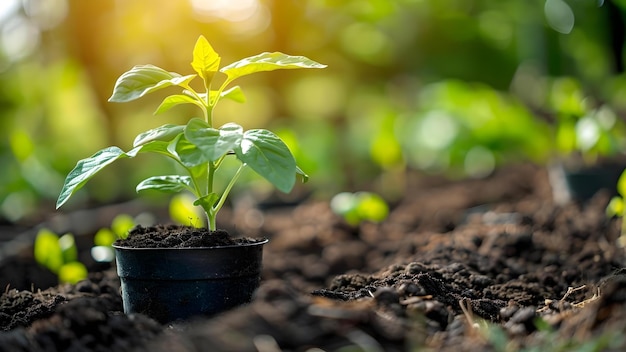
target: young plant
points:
(59, 255)
(617, 208)
(199, 147)
(583, 129)
(102, 250)
(358, 207)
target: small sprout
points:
(616, 208)
(358, 207)
(104, 237)
(47, 250)
(102, 251)
(184, 212)
(72, 272)
(122, 224)
(59, 255)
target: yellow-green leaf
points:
(47, 250)
(621, 184)
(144, 79)
(267, 62)
(206, 61)
(72, 272)
(173, 100)
(615, 207)
(235, 94)
(104, 237)
(122, 224)
(183, 211)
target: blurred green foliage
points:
(102, 250)
(59, 255)
(359, 207)
(457, 87)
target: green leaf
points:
(267, 62)
(268, 156)
(72, 272)
(122, 224)
(173, 100)
(186, 152)
(621, 184)
(104, 237)
(615, 207)
(47, 250)
(305, 177)
(170, 183)
(164, 133)
(207, 201)
(182, 211)
(214, 143)
(159, 147)
(371, 207)
(85, 169)
(144, 79)
(205, 60)
(235, 94)
(69, 252)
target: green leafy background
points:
(450, 87)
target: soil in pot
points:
(176, 272)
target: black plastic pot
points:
(171, 284)
(582, 184)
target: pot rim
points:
(261, 241)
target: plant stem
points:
(220, 203)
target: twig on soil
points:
(595, 296)
(469, 315)
(562, 302)
(415, 299)
(571, 290)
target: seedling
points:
(582, 128)
(59, 255)
(198, 146)
(358, 207)
(617, 208)
(102, 251)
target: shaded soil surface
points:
(475, 265)
(175, 236)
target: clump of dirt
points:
(176, 236)
(82, 317)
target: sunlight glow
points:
(246, 16)
(19, 37)
(8, 9)
(48, 14)
(233, 11)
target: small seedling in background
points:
(617, 208)
(182, 211)
(358, 207)
(102, 251)
(582, 128)
(59, 255)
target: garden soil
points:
(470, 265)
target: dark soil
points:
(474, 265)
(175, 236)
